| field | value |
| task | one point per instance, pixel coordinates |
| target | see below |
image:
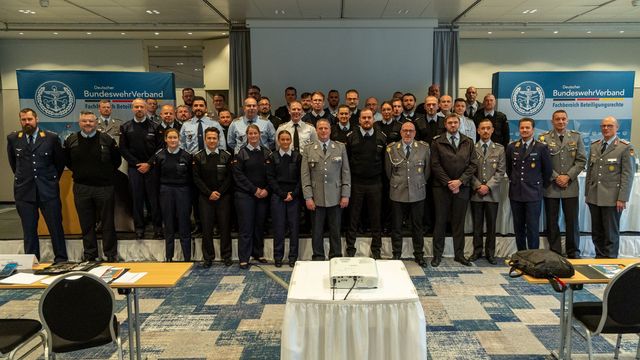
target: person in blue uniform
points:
(284, 180)
(212, 176)
(140, 138)
(173, 166)
(37, 161)
(529, 171)
(252, 195)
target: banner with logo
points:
(59, 96)
(586, 96)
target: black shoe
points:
(491, 260)
(207, 264)
(463, 261)
(158, 235)
(262, 260)
(112, 259)
(474, 257)
(139, 235)
(292, 263)
(168, 260)
(244, 266)
(88, 258)
(228, 262)
(278, 263)
(435, 262)
(420, 261)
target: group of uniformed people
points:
(426, 168)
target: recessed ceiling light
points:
(224, 33)
(88, 33)
(530, 11)
(122, 33)
(521, 32)
(156, 33)
(21, 33)
(489, 32)
(556, 31)
(196, 69)
(179, 63)
(184, 46)
(621, 31)
(27, 12)
(156, 46)
(589, 32)
(280, 12)
(55, 33)
(153, 12)
(189, 33)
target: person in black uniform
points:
(139, 140)
(37, 161)
(365, 150)
(168, 118)
(284, 181)
(212, 176)
(173, 165)
(343, 125)
(252, 196)
(94, 158)
(391, 128)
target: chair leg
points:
(119, 343)
(617, 352)
(589, 344)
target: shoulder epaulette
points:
(624, 141)
(199, 152)
(224, 151)
(596, 141)
(350, 132)
(574, 131)
(423, 142)
(158, 152)
(437, 136)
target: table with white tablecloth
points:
(383, 323)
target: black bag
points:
(543, 264)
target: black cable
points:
(355, 279)
(333, 296)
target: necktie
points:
(200, 135)
(366, 136)
(604, 147)
(484, 149)
(524, 148)
(30, 138)
(106, 122)
(453, 142)
(561, 138)
(408, 152)
(296, 137)
(324, 148)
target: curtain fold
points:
(240, 66)
(445, 60)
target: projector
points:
(353, 272)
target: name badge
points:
(612, 160)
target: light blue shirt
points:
(209, 152)
(237, 135)
(456, 135)
(189, 134)
(89, 135)
(370, 132)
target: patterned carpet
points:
(226, 313)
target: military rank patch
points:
(533, 165)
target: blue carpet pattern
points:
(473, 312)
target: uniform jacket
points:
(609, 174)
(37, 168)
(449, 164)
(407, 177)
(500, 125)
(153, 141)
(392, 130)
(203, 177)
(567, 158)
(325, 177)
(112, 129)
(242, 181)
(490, 171)
(528, 173)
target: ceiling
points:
(168, 26)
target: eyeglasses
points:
(408, 131)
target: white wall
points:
(215, 57)
(107, 55)
(375, 57)
(480, 58)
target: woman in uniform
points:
(174, 170)
(284, 181)
(250, 167)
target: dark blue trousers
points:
(252, 213)
(144, 186)
(605, 230)
(52, 213)
(175, 202)
(526, 223)
(285, 214)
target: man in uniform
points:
(453, 164)
(37, 161)
(352, 99)
(152, 107)
(183, 113)
(326, 187)
(486, 192)
(499, 120)
(407, 168)
(168, 119)
(264, 112)
(106, 123)
(238, 128)
(333, 100)
(365, 148)
(610, 173)
(140, 138)
(529, 170)
(473, 105)
(302, 133)
(317, 110)
(343, 126)
(94, 159)
(188, 95)
(568, 159)
(290, 95)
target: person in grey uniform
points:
(485, 191)
(107, 123)
(407, 168)
(568, 159)
(326, 187)
(608, 186)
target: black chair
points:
(617, 313)
(15, 334)
(78, 312)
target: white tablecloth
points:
(383, 323)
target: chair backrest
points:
(621, 301)
(77, 307)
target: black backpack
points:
(542, 264)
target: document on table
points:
(22, 279)
(129, 278)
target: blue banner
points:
(59, 96)
(586, 96)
